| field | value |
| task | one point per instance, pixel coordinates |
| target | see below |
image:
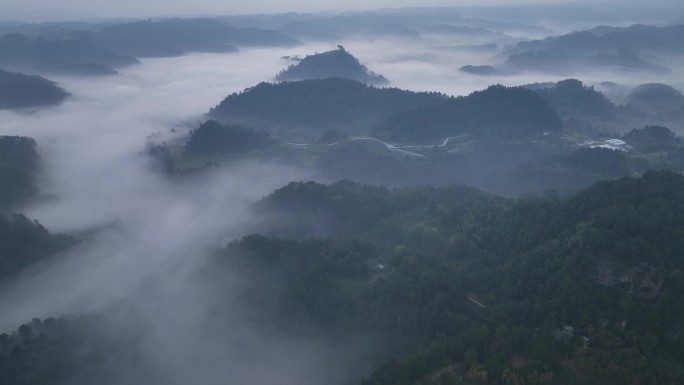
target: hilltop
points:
(337, 63)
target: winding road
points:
(392, 147)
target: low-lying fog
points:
(142, 233)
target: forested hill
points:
(573, 99)
(324, 103)
(347, 208)
(337, 63)
(173, 37)
(67, 56)
(655, 97)
(586, 289)
(621, 48)
(498, 111)
(394, 114)
(18, 168)
(23, 243)
(81, 48)
(442, 287)
(21, 91)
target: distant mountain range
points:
(69, 56)
(100, 49)
(633, 48)
(174, 37)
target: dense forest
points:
(322, 228)
(402, 116)
(331, 103)
(451, 285)
(498, 111)
(541, 290)
(212, 137)
(571, 98)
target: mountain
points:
(652, 139)
(483, 70)
(213, 137)
(345, 208)
(392, 30)
(498, 111)
(22, 91)
(655, 97)
(633, 48)
(49, 30)
(76, 56)
(309, 107)
(430, 286)
(569, 172)
(572, 99)
(174, 37)
(557, 289)
(23, 243)
(337, 63)
(311, 30)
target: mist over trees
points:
(323, 228)
(19, 163)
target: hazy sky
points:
(181, 7)
(47, 10)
